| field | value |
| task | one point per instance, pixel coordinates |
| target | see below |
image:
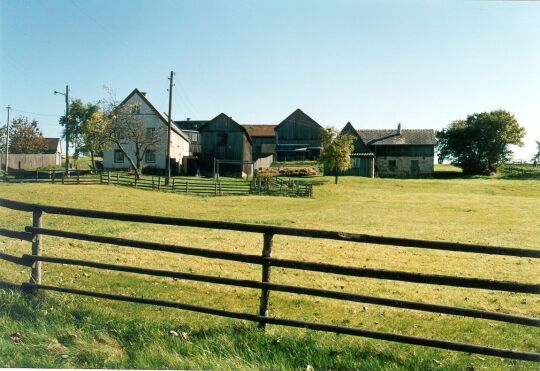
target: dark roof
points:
(260, 130)
(390, 137)
(230, 118)
(162, 116)
(190, 124)
(299, 113)
(52, 144)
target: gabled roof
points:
(222, 115)
(349, 129)
(260, 130)
(52, 144)
(391, 137)
(190, 124)
(162, 116)
(300, 113)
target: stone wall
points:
(403, 167)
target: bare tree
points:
(126, 130)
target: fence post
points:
(158, 183)
(152, 182)
(117, 178)
(78, 177)
(173, 184)
(53, 176)
(108, 177)
(135, 180)
(187, 185)
(37, 222)
(37, 175)
(63, 176)
(265, 293)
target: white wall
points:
(179, 145)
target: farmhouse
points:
(224, 139)
(394, 153)
(298, 138)
(154, 122)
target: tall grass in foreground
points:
(52, 332)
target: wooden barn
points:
(264, 140)
(363, 159)
(224, 139)
(298, 138)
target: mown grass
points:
(486, 211)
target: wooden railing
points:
(193, 185)
(35, 232)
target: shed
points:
(264, 139)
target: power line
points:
(36, 113)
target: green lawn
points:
(69, 331)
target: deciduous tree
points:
(480, 143)
(336, 151)
(25, 137)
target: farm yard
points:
(75, 331)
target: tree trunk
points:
(93, 160)
(137, 174)
(336, 175)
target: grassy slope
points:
(490, 211)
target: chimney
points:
(399, 129)
(188, 118)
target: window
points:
(222, 139)
(136, 109)
(150, 156)
(118, 156)
(392, 165)
(150, 132)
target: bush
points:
(152, 170)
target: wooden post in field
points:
(37, 222)
(37, 175)
(265, 293)
(53, 176)
(117, 179)
(187, 185)
(158, 183)
(135, 180)
(152, 182)
(63, 177)
(172, 185)
(108, 177)
(78, 177)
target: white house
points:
(153, 119)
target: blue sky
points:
(374, 63)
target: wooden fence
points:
(30, 161)
(193, 185)
(35, 232)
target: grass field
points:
(69, 331)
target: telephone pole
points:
(169, 129)
(7, 141)
(66, 95)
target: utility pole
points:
(7, 140)
(169, 130)
(67, 129)
(66, 95)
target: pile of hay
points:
(290, 171)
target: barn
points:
(363, 159)
(264, 139)
(298, 138)
(224, 139)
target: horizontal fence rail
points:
(35, 233)
(269, 229)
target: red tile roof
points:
(260, 130)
